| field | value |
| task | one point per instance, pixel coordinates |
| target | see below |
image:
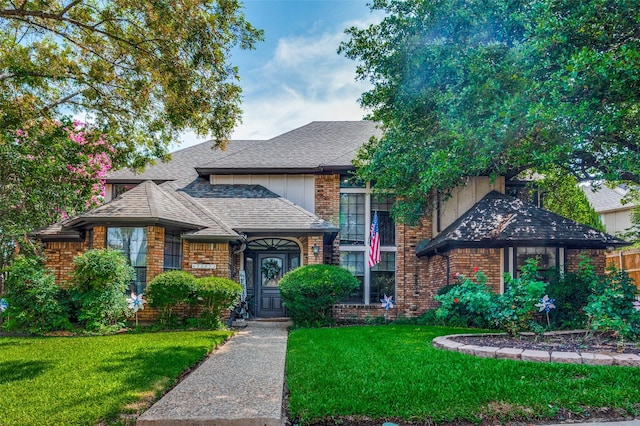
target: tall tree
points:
(466, 88)
(143, 71)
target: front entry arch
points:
(267, 260)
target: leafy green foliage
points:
(96, 379)
(468, 303)
(571, 291)
(99, 281)
(217, 295)
(310, 291)
(472, 303)
(610, 308)
(515, 308)
(495, 87)
(144, 71)
(169, 289)
(33, 298)
(50, 170)
(563, 196)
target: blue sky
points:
(296, 76)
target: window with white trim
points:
(357, 207)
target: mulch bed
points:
(579, 341)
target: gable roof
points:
(499, 220)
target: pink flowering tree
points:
(48, 172)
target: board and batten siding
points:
(462, 199)
(299, 189)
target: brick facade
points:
(196, 254)
(327, 202)
(59, 258)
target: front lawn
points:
(393, 373)
(86, 380)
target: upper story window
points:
(132, 243)
(357, 209)
(117, 189)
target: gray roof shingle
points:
(499, 220)
(604, 199)
(313, 147)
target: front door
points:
(271, 267)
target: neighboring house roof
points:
(604, 199)
(499, 220)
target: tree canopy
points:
(494, 87)
(141, 71)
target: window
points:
(357, 208)
(550, 260)
(172, 251)
(117, 189)
(132, 243)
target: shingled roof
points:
(201, 210)
(499, 220)
(316, 147)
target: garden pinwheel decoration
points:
(546, 304)
(136, 302)
(636, 303)
(3, 305)
(387, 303)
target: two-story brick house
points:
(290, 201)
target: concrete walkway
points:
(240, 384)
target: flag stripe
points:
(374, 249)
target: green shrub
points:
(309, 292)
(216, 295)
(99, 281)
(169, 289)
(468, 303)
(33, 298)
(571, 292)
(515, 309)
(611, 306)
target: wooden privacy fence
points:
(629, 260)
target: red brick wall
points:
(598, 258)
(59, 258)
(327, 202)
(155, 252)
(206, 253)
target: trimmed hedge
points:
(169, 289)
(309, 292)
(216, 295)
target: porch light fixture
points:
(316, 250)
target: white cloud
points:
(305, 80)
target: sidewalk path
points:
(240, 384)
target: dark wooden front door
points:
(271, 267)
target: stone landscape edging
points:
(587, 358)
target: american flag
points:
(374, 251)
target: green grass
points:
(86, 380)
(394, 373)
